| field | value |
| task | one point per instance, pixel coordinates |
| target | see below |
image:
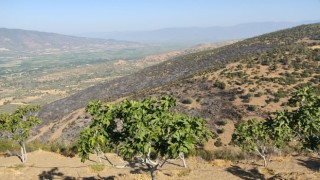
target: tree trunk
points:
(98, 154)
(181, 155)
(23, 150)
(265, 164)
(263, 155)
(22, 154)
(152, 169)
(153, 176)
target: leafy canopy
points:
(135, 128)
(302, 124)
(18, 124)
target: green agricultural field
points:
(42, 78)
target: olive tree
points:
(145, 130)
(18, 124)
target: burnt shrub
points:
(186, 101)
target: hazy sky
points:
(79, 16)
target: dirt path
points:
(48, 165)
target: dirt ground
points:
(47, 165)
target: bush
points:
(36, 145)
(259, 94)
(222, 122)
(220, 131)
(205, 154)
(252, 108)
(220, 84)
(63, 149)
(218, 143)
(8, 145)
(187, 101)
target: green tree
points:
(302, 124)
(254, 136)
(305, 118)
(145, 129)
(17, 126)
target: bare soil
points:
(48, 165)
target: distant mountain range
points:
(197, 34)
(17, 40)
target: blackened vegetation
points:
(175, 77)
(151, 77)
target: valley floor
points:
(48, 165)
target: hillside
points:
(230, 83)
(25, 41)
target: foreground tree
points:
(254, 136)
(301, 124)
(305, 118)
(17, 126)
(145, 130)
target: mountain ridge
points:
(199, 34)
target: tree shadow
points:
(174, 163)
(99, 178)
(312, 163)
(252, 174)
(54, 173)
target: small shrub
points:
(8, 145)
(36, 145)
(205, 154)
(222, 122)
(251, 108)
(184, 172)
(56, 147)
(186, 101)
(228, 154)
(259, 94)
(218, 143)
(220, 131)
(220, 84)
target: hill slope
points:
(195, 76)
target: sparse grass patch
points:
(17, 166)
(228, 154)
(63, 149)
(36, 145)
(221, 163)
(204, 154)
(8, 145)
(185, 172)
(97, 167)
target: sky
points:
(81, 16)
